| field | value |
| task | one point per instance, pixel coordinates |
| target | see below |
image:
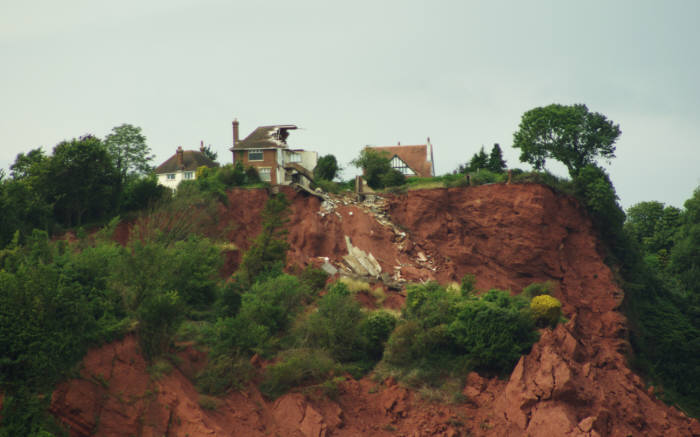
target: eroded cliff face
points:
(574, 382)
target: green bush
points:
(446, 330)
(269, 249)
(546, 310)
(314, 279)
(224, 373)
(375, 330)
(229, 301)
(326, 168)
(493, 331)
(159, 316)
(274, 302)
(485, 176)
(298, 367)
(335, 327)
(538, 289)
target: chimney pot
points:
(201, 146)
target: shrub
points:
(269, 249)
(485, 176)
(449, 331)
(314, 279)
(326, 168)
(468, 286)
(224, 373)
(493, 331)
(159, 317)
(274, 302)
(354, 285)
(375, 329)
(538, 289)
(229, 301)
(297, 367)
(546, 310)
(330, 186)
(335, 326)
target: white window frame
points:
(189, 175)
(265, 171)
(256, 151)
(400, 165)
(170, 176)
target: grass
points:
(378, 294)
(355, 285)
(159, 369)
(209, 403)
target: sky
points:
(358, 73)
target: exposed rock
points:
(575, 381)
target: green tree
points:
(593, 187)
(653, 225)
(377, 169)
(25, 164)
(83, 179)
(131, 156)
(496, 162)
(326, 168)
(685, 255)
(570, 134)
(269, 249)
(209, 153)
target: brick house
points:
(412, 161)
(182, 166)
(266, 149)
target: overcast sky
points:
(356, 73)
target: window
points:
(294, 157)
(265, 174)
(189, 175)
(398, 164)
(170, 176)
(255, 155)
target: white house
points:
(182, 166)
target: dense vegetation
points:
(60, 296)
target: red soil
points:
(575, 381)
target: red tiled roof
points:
(416, 157)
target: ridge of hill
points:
(574, 382)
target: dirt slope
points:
(574, 382)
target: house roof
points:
(265, 137)
(191, 161)
(416, 157)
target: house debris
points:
(360, 262)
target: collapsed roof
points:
(265, 137)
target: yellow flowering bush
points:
(546, 310)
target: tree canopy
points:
(326, 168)
(481, 160)
(127, 146)
(568, 133)
(377, 169)
(83, 179)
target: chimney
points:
(180, 158)
(201, 146)
(235, 131)
(398, 143)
